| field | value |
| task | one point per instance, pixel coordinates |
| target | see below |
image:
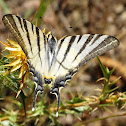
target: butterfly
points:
(53, 62)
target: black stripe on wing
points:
(44, 42)
(32, 26)
(79, 38)
(68, 48)
(61, 42)
(20, 22)
(84, 46)
(9, 22)
(107, 44)
(96, 38)
(67, 51)
(38, 44)
(28, 37)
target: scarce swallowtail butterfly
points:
(52, 61)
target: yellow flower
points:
(19, 61)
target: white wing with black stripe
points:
(29, 37)
(73, 51)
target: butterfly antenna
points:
(45, 24)
(48, 27)
(58, 104)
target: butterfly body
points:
(53, 61)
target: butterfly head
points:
(47, 81)
(50, 37)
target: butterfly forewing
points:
(73, 51)
(29, 37)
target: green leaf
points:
(109, 91)
(75, 100)
(104, 105)
(110, 73)
(104, 70)
(114, 81)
